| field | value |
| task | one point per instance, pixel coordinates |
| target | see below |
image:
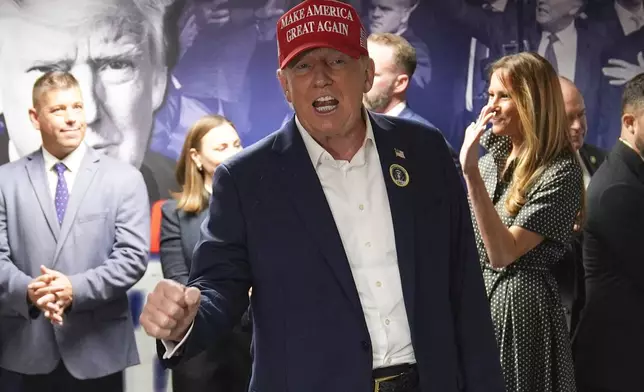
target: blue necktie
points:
(62, 195)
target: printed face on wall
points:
(389, 16)
(551, 12)
(108, 50)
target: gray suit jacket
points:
(102, 246)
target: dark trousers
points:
(224, 368)
(61, 381)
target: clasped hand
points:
(51, 293)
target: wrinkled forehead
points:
(43, 35)
(79, 17)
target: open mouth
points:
(325, 104)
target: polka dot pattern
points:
(526, 308)
(62, 194)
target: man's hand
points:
(622, 71)
(60, 285)
(53, 292)
(170, 310)
(44, 301)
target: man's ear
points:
(33, 116)
(402, 82)
(628, 122)
(281, 76)
(370, 74)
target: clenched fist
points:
(170, 310)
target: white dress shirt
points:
(357, 197)
(565, 50)
(584, 169)
(630, 21)
(72, 162)
(396, 110)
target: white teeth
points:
(327, 108)
(325, 99)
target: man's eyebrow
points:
(115, 52)
(63, 65)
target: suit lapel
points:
(395, 153)
(302, 185)
(82, 182)
(40, 183)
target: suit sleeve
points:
(173, 261)
(129, 256)
(13, 282)
(480, 369)
(220, 268)
(621, 213)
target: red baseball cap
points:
(320, 24)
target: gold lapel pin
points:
(399, 175)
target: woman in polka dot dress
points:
(525, 195)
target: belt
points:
(399, 378)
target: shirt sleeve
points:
(554, 203)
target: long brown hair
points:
(193, 197)
(534, 87)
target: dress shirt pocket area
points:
(92, 217)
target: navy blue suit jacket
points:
(411, 115)
(271, 227)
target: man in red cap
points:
(353, 230)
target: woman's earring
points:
(199, 167)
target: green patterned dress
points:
(526, 308)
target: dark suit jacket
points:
(609, 342)
(570, 271)
(179, 236)
(411, 115)
(271, 226)
(157, 171)
(180, 232)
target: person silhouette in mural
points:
(392, 16)
(116, 50)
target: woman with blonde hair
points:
(210, 141)
(525, 195)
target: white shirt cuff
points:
(171, 348)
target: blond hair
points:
(404, 54)
(533, 85)
(53, 80)
(193, 197)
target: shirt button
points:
(386, 321)
(388, 361)
(378, 284)
(368, 244)
(361, 207)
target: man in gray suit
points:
(74, 232)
